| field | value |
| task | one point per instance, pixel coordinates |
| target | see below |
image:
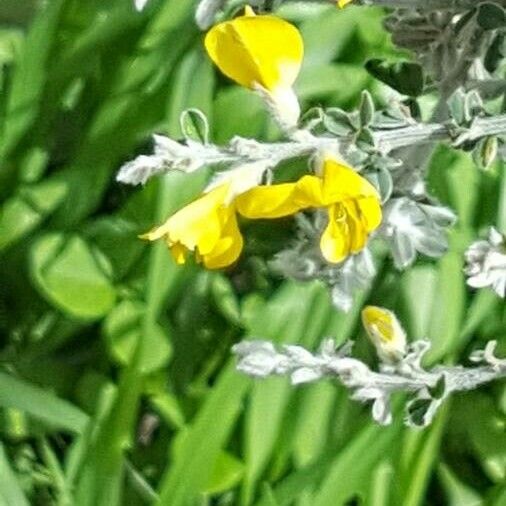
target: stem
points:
(419, 4)
(431, 132)
(428, 4)
(302, 143)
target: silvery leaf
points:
(305, 375)
(403, 250)
(381, 411)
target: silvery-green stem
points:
(428, 4)
(417, 4)
(170, 155)
(426, 388)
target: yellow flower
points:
(208, 227)
(343, 3)
(263, 53)
(385, 332)
(353, 205)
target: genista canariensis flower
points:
(353, 206)
(208, 227)
(263, 53)
(385, 332)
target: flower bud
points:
(385, 332)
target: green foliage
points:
(116, 383)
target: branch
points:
(427, 388)
(418, 4)
(171, 155)
(428, 4)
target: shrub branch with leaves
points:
(291, 167)
(452, 45)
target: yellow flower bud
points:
(343, 3)
(263, 53)
(385, 332)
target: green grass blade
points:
(351, 471)
(208, 433)
(41, 404)
(269, 399)
(11, 493)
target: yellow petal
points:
(228, 248)
(341, 182)
(356, 229)
(197, 223)
(370, 208)
(343, 3)
(309, 192)
(335, 240)
(257, 50)
(178, 252)
(273, 201)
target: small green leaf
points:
(491, 16)
(365, 139)
(367, 109)
(194, 125)
(72, 276)
(382, 180)
(439, 389)
(485, 152)
(337, 121)
(122, 329)
(495, 53)
(417, 409)
(405, 77)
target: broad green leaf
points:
(238, 111)
(405, 77)
(30, 76)
(227, 472)
(72, 275)
(340, 81)
(326, 35)
(27, 208)
(453, 179)
(122, 329)
(491, 16)
(457, 494)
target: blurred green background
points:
(117, 386)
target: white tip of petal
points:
(283, 104)
(140, 4)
